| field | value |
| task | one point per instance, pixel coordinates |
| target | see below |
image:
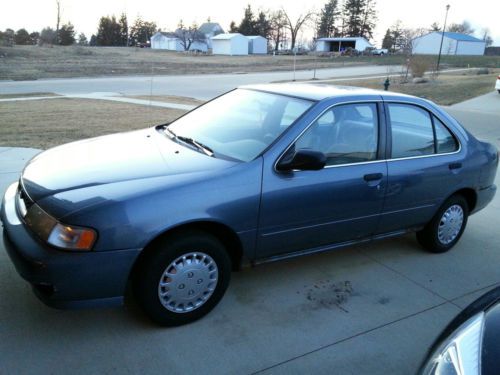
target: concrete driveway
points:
(368, 309)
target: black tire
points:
(429, 236)
(151, 268)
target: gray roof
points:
(254, 36)
(164, 33)
(210, 27)
(226, 36)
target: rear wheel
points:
(446, 227)
(182, 278)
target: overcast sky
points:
(84, 14)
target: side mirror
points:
(303, 160)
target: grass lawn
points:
(31, 94)
(447, 89)
(169, 99)
(48, 123)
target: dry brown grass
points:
(31, 94)
(47, 123)
(169, 99)
(33, 62)
(447, 89)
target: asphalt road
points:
(368, 309)
(203, 87)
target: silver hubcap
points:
(188, 282)
(450, 224)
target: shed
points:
(257, 45)
(341, 44)
(230, 44)
(453, 44)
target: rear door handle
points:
(455, 166)
(373, 177)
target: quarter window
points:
(345, 134)
(445, 141)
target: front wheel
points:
(446, 227)
(182, 278)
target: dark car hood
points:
(109, 159)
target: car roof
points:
(319, 91)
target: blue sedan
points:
(259, 174)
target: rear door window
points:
(411, 130)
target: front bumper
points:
(64, 279)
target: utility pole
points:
(58, 4)
(442, 37)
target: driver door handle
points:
(372, 177)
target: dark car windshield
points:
(241, 123)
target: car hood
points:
(110, 159)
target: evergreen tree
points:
(22, 37)
(328, 16)
(387, 42)
(47, 36)
(233, 28)
(263, 25)
(66, 34)
(93, 40)
(7, 38)
(123, 30)
(359, 17)
(34, 37)
(248, 24)
(108, 32)
(82, 40)
(142, 31)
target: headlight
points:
(67, 237)
(460, 353)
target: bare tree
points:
(188, 36)
(487, 37)
(278, 28)
(294, 27)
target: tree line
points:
(337, 18)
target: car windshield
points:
(240, 124)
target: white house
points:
(257, 45)
(341, 44)
(230, 44)
(453, 44)
(210, 29)
(163, 40)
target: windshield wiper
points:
(200, 146)
(172, 134)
